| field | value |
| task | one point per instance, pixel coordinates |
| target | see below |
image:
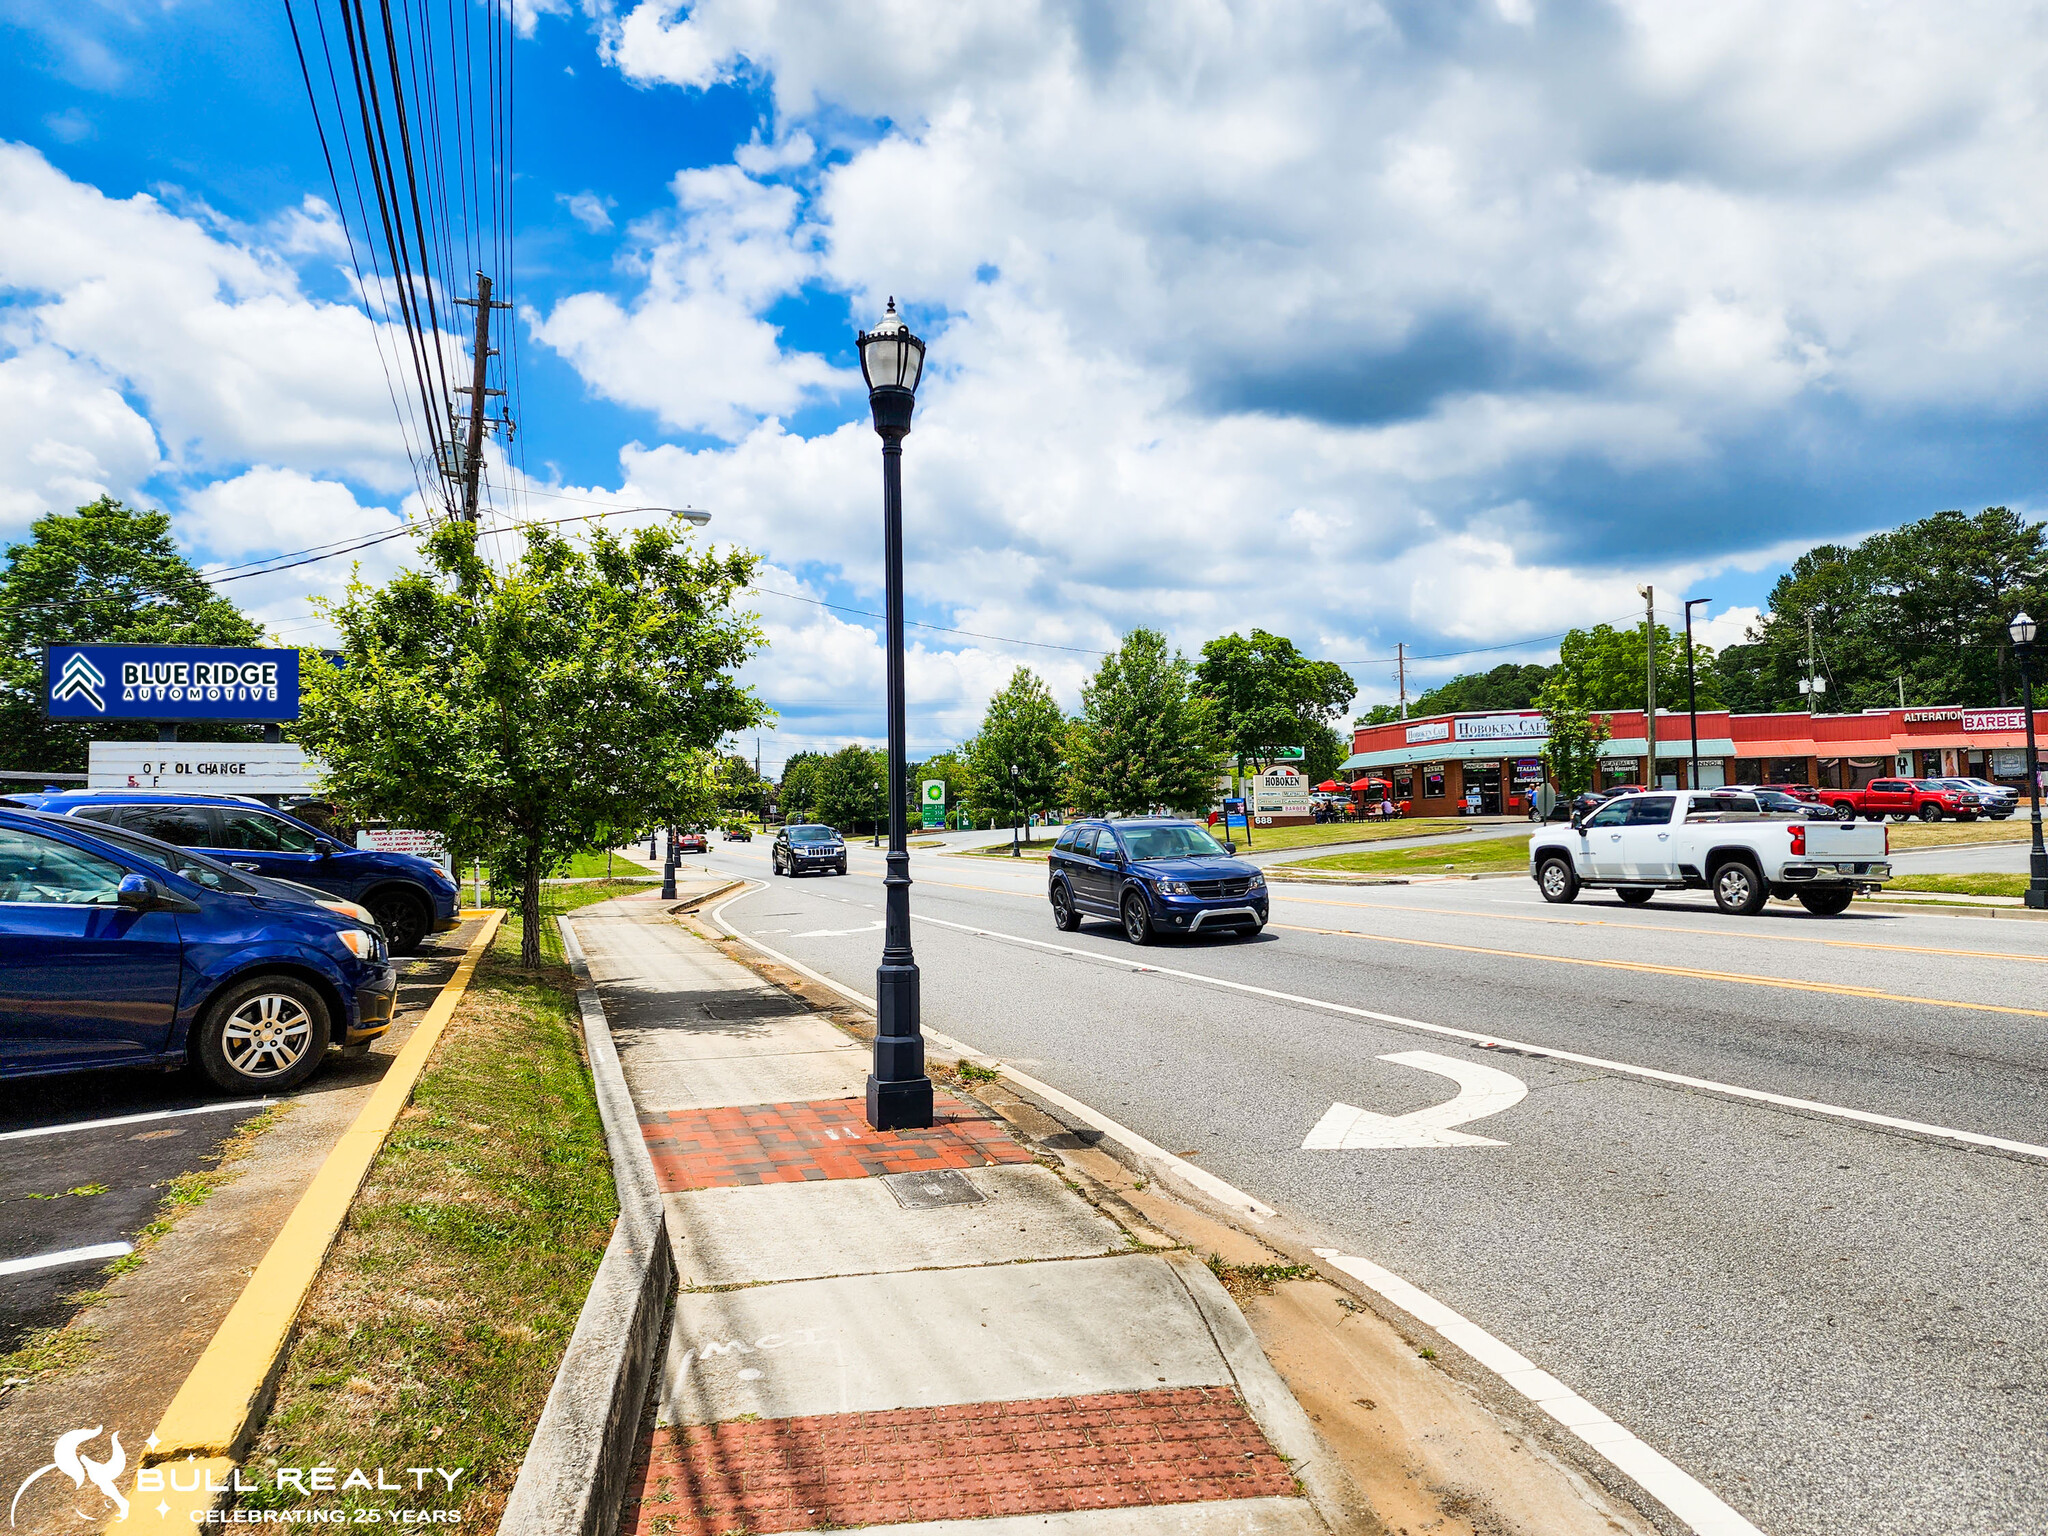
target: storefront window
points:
(1432, 781)
(1404, 783)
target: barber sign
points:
(170, 682)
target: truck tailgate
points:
(1845, 840)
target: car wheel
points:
(1635, 895)
(1738, 890)
(264, 1035)
(1930, 812)
(1064, 917)
(403, 917)
(1557, 880)
(1828, 903)
(842, 866)
(1844, 811)
(1137, 920)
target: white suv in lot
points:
(1716, 841)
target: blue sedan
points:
(109, 958)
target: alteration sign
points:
(170, 682)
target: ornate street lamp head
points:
(891, 360)
(2021, 629)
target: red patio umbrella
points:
(1331, 787)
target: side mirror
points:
(1229, 846)
(325, 849)
(138, 893)
(1578, 822)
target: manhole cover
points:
(922, 1191)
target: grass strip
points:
(1983, 883)
(554, 901)
(1492, 855)
(1953, 834)
(434, 1332)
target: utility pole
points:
(1812, 685)
(1401, 673)
(470, 467)
(1650, 687)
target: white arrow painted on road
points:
(1481, 1091)
(835, 933)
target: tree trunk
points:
(530, 919)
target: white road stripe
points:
(1681, 1493)
(159, 1114)
(65, 1256)
(1500, 1043)
(1673, 1487)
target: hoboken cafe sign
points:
(1481, 728)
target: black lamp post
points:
(899, 1093)
(2022, 630)
(1692, 692)
(668, 869)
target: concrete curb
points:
(217, 1410)
(573, 1481)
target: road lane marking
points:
(1604, 922)
(1690, 973)
(1482, 1091)
(65, 1256)
(1683, 1495)
(155, 1114)
(833, 933)
(1525, 1048)
(1673, 1487)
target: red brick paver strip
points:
(825, 1139)
(964, 1462)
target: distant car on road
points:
(1928, 799)
(112, 959)
(1155, 876)
(411, 897)
(693, 841)
(1776, 802)
(1997, 801)
(739, 834)
(807, 846)
(1715, 840)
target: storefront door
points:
(1485, 778)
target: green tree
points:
(1508, 686)
(853, 787)
(1608, 665)
(1022, 726)
(1147, 736)
(105, 574)
(1324, 752)
(1379, 714)
(1269, 695)
(1573, 748)
(739, 788)
(798, 792)
(571, 700)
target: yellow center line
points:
(1736, 977)
(1603, 922)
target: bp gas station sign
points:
(934, 804)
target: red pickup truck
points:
(1928, 799)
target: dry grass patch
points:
(434, 1332)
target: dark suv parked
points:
(1155, 876)
(410, 897)
(807, 846)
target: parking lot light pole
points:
(1692, 692)
(899, 1093)
(2022, 629)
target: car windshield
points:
(813, 835)
(179, 861)
(1145, 843)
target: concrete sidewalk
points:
(920, 1329)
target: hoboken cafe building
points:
(1491, 764)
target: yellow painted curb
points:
(220, 1400)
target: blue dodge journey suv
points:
(410, 897)
(1155, 877)
(109, 957)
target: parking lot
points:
(87, 1159)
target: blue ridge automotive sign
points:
(170, 682)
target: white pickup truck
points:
(1720, 841)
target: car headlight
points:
(361, 914)
(360, 942)
(1174, 887)
(446, 879)
(1258, 880)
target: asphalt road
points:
(1835, 1326)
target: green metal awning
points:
(1635, 746)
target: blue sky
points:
(1438, 323)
